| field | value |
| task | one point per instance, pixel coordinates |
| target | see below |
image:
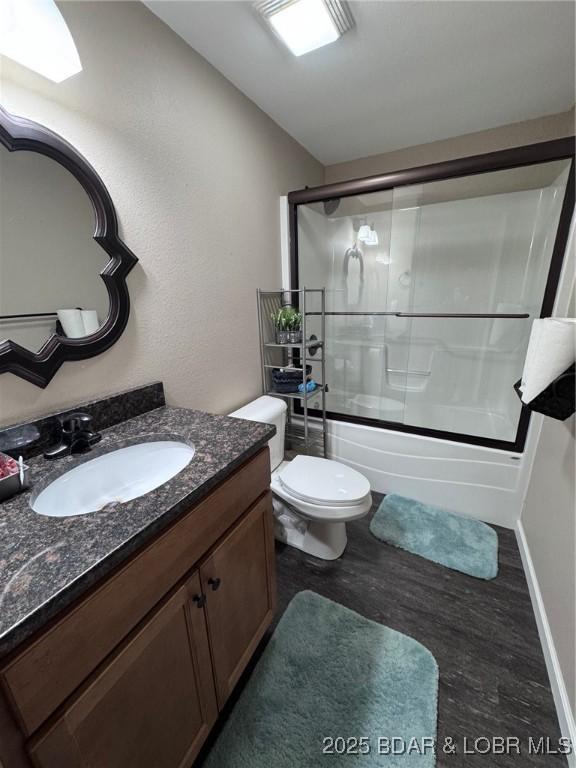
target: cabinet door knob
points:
(214, 583)
(200, 600)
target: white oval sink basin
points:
(115, 477)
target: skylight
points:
(34, 33)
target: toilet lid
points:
(323, 481)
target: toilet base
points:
(326, 541)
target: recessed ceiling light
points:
(304, 25)
(34, 33)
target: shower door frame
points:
(516, 157)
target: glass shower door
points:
(406, 271)
(346, 247)
(481, 245)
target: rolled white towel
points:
(72, 323)
(551, 350)
(90, 320)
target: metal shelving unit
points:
(301, 436)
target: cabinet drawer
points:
(40, 678)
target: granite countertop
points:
(47, 562)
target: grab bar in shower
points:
(487, 315)
(409, 373)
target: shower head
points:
(331, 206)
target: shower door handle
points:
(503, 316)
(488, 315)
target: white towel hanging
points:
(551, 350)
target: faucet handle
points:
(76, 436)
(77, 422)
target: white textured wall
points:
(195, 170)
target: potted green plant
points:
(287, 323)
(295, 322)
(281, 318)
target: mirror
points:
(49, 263)
(63, 292)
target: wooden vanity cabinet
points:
(238, 580)
(151, 702)
(152, 705)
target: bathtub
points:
(484, 483)
(449, 418)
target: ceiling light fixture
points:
(305, 25)
(364, 233)
(368, 235)
(372, 238)
(34, 33)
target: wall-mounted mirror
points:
(63, 294)
(49, 264)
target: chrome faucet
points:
(76, 436)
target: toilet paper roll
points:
(90, 320)
(551, 350)
(72, 323)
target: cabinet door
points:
(152, 706)
(238, 580)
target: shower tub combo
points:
(433, 278)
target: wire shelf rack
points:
(302, 435)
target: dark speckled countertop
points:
(47, 562)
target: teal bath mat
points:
(460, 543)
(328, 677)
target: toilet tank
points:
(268, 410)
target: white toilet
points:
(314, 498)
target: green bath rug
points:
(460, 543)
(328, 677)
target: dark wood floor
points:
(493, 680)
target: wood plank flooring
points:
(493, 679)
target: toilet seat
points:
(314, 509)
(323, 482)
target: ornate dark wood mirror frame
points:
(17, 134)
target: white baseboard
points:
(563, 708)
